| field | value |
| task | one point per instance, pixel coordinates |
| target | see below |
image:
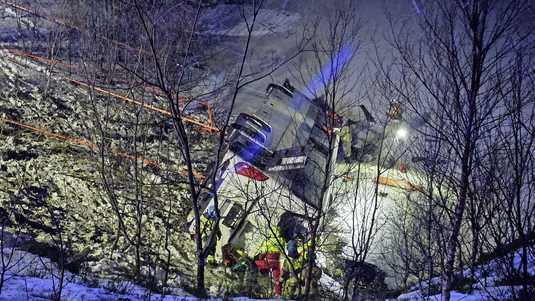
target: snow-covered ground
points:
(30, 277)
(486, 285)
(231, 23)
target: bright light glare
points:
(402, 133)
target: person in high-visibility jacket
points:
(296, 269)
(290, 274)
(307, 265)
(268, 259)
(235, 257)
(346, 138)
(207, 226)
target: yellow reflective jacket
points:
(302, 257)
(274, 243)
(207, 225)
(345, 137)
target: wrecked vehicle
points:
(276, 162)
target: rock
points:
(20, 155)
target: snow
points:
(454, 296)
(29, 277)
(35, 288)
(484, 288)
(231, 23)
(478, 295)
(334, 286)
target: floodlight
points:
(402, 133)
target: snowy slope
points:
(30, 278)
(486, 287)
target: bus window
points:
(232, 216)
(224, 206)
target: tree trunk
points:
(451, 247)
(311, 251)
(201, 290)
(525, 273)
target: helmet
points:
(211, 212)
(291, 249)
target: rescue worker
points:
(345, 137)
(296, 270)
(307, 265)
(239, 268)
(207, 226)
(269, 257)
(291, 270)
(234, 257)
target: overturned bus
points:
(277, 160)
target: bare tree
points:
(326, 76)
(10, 239)
(377, 167)
(453, 68)
(162, 62)
(512, 167)
(168, 86)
